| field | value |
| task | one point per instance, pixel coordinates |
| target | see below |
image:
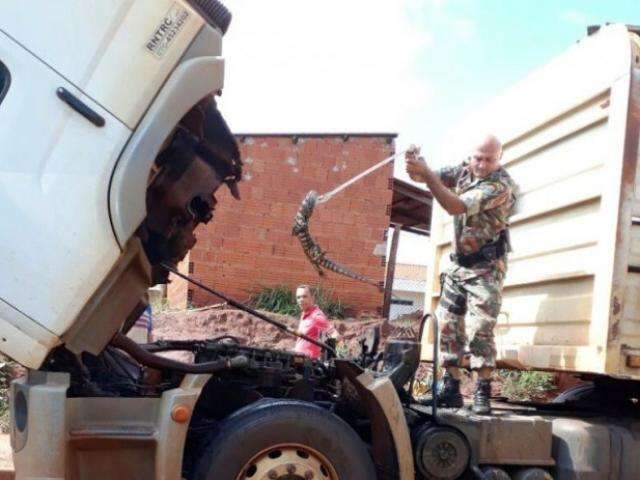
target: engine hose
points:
(184, 345)
(148, 359)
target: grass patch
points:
(525, 386)
(160, 305)
(279, 299)
(282, 299)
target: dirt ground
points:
(214, 321)
(6, 460)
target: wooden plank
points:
(391, 268)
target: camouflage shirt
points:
(489, 202)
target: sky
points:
(411, 67)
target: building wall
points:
(400, 306)
(411, 272)
(178, 295)
(248, 244)
(409, 285)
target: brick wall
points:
(248, 244)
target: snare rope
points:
(313, 251)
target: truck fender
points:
(391, 440)
(190, 82)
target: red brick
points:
(249, 244)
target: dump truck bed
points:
(570, 132)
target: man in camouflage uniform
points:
(480, 195)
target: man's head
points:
(304, 297)
(485, 156)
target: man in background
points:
(313, 323)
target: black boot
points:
(449, 396)
(482, 397)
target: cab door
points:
(58, 149)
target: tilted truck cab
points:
(90, 94)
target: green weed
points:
(282, 299)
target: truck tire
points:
(214, 13)
(284, 439)
(494, 473)
(584, 393)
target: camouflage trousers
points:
(467, 314)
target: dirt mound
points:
(214, 322)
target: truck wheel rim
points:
(288, 462)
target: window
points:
(398, 301)
(5, 80)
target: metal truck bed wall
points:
(571, 129)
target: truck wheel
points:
(285, 440)
(584, 393)
(495, 473)
(440, 452)
(532, 474)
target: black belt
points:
(488, 253)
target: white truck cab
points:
(89, 93)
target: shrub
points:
(282, 299)
(160, 305)
(7, 371)
(279, 299)
(332, 307)
(524, 386)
